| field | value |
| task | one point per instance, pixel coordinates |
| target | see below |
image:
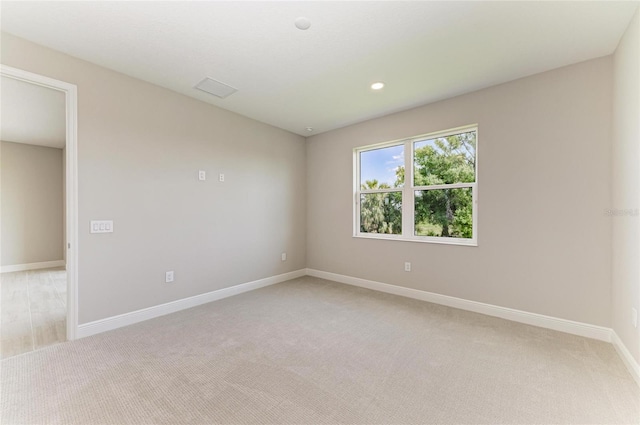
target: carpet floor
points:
(311, 351)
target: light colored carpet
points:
(33, 310)
(312, 351)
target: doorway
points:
(37, 283)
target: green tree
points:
(380, 212)
(445, 160)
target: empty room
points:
(33, 298)
(328, 212)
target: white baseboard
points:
(627, 358)
(110, 323)
(534, 319)
(562, 325)
(32, 266)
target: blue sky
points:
(381, 164)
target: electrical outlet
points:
(407, 267)
(221, 177)
(634, 317)
(169, 277)
(284, 256)
(202, 175)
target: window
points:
(420, 189)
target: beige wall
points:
(544, 183)
(32, 204)
(626, 187)
(139, 151)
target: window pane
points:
(381, 213)
(445, 160)
(444, 213)
(382, 168)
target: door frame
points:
(71, 104)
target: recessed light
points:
(377, 86)
(309, 129)
(302, 23)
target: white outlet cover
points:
(169, 277)
(284, 256)
(202, 175)
(407, 267)
(221, 177)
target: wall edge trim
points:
(549, 322)
(534, 319)
(126, 319)
(32, 266)
(627, 358)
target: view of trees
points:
(446, 160)
(380, 212)
(445, 212)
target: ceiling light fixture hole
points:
(302, 23)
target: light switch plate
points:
(101, 226)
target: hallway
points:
(33, 309)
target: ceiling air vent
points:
(215, 88)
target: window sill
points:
(419, 239)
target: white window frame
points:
(408, 191)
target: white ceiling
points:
(423, 50)
(31, 114)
